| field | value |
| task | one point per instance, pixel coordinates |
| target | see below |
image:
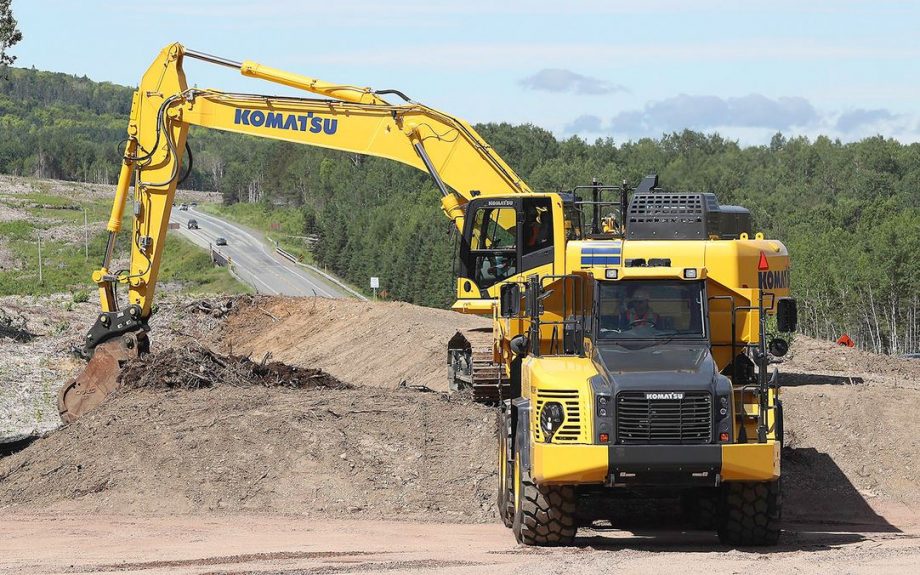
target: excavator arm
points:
(348, 118)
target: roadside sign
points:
(375, 283)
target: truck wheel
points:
(544, 515)
(700, 507)
(505, 471)
(749, 513)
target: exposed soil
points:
(16, 203)
(384, 344)
(248, 543)
(8, 260)
(328, 452)
(826, 358)
(37, 339)
(851, 436)
(20, 186)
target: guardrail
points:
(292, 258)
(218, 258)
(286, 255)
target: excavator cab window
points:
(536, 232)
(493, 245)
(538, 226)
(494, 228)
(504, 237)
(573, 227)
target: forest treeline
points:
(847, 212)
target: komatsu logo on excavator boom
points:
(281, 121)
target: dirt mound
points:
(825, 357)
(383, 344)
(851, 447)
(201, 436)
(332, 452)
(196, 367)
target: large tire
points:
(544, 515)
(505, 498)
(750, 513)
(700, 507)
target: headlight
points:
(551, 418)
(602, 403)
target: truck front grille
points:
(663, 421)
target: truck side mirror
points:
(787, 314)
(510, 300)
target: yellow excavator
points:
(348, 118)
(631, 343)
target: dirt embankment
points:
(383, 344)
(852, 440)
(333, 452)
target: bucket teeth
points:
(100, 377)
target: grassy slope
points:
(65, 266)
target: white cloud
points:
(587, 124)
(562, 80)
(752, 120)
(706, 112)
(859, 119)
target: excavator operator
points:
(537, 229)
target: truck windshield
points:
(653, 309)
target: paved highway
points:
(254, 261)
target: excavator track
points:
(471, 366)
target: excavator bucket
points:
(100, 378)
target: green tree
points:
(9, 34)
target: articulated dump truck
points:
(639, 366)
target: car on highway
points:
(221, 241)
(193, 224)
(183, 208)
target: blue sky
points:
(626, 70)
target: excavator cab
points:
(510, 238)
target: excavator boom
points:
(347, 118)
